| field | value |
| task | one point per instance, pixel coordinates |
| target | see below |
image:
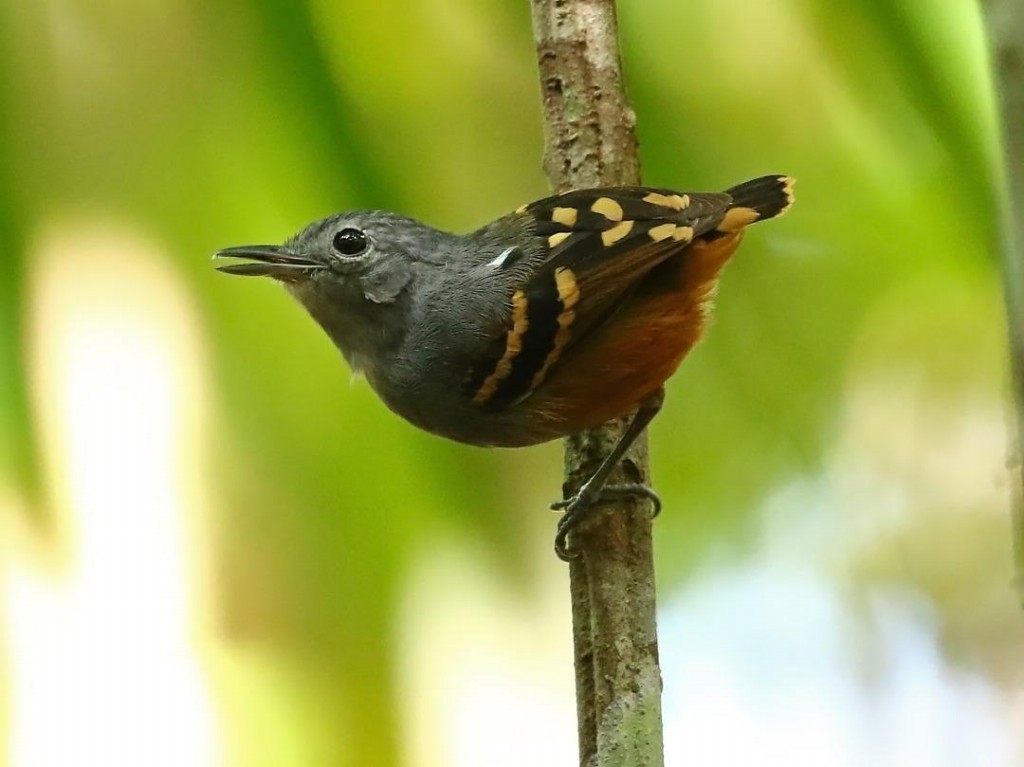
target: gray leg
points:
(594, 489)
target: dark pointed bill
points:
(265, 261)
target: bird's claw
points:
(577, 506)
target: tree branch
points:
(590, 141)
(1006, 33)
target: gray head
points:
(352, 272)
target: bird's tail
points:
(768, 196)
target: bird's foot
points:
(577, 507)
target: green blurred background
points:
(216, 550)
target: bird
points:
(564, 314)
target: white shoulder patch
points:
(502, 258)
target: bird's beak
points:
(267, 261)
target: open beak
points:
(267, 261)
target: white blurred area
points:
(486, 670)
(101, 623)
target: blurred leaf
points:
(17, 440)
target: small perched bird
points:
(562, 315)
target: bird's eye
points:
(350, 242)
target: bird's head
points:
(351, 272)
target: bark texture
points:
(590, 141)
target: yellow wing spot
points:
(522, 208)
(661, 232)
(569, 295)
(557, 239)
(568, 288)
(565, 216)
(683, 234)
(513, 345)
(737, 218)
(608, 208)
(787, 189)
(673, 201)
(616, 233)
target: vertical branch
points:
(1006, 32)
(590, 141)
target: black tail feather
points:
(769, 196)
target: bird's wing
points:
(598, 244)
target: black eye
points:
(350, 242)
